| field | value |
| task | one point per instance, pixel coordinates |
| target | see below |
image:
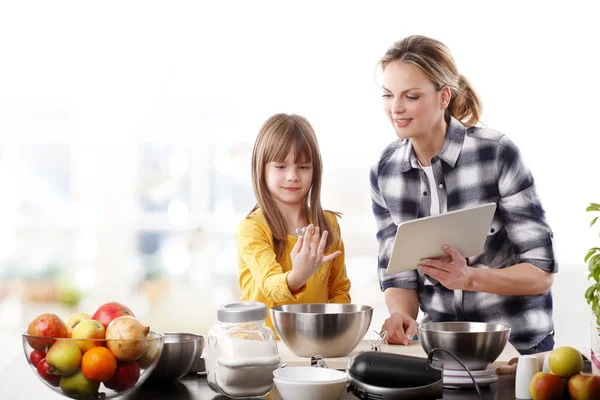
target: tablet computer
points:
(466, 230)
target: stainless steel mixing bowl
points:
(476, 344)
(329, 330)
(180, 353)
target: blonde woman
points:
(277, 266)
(442, 162)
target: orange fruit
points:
(98, 364)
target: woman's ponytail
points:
(465, 105)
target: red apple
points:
(46, 325)
(47, 373)
(36, 356)
(125, 377)
(109, 311)
(546, 386)
(584, 387)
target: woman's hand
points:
(307, 256)
(400, 329)
(452, 272)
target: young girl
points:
(275, 265)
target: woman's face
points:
(289, 182)
(411, 101)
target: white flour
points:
(239, 367)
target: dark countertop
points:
(18, 381)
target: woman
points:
(442, 162)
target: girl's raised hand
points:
(307, 256)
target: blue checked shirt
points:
(475, 166)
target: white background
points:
(103, 76)
(116, 71)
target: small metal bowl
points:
(476, 344)
(179, 355)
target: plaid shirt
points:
(475, 166)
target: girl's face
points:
(411, 101)
(287, 181)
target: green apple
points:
(565, 361)
(64, 356)
(78, 386)
(88, 329)
(77, 318)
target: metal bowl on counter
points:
(476, 344)
(329, 330)
(180, 354)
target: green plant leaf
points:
(593, 222)
(590, 293)
(590, 253)
(593, 264)
(595, 307)
(593, 207)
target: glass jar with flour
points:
(241, 352)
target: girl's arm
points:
(255, 249)
(339, 284)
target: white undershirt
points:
(435, 200)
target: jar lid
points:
(242, 312)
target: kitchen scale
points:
(375, 375)
(458, 379)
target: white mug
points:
(527, 367)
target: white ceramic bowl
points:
(300, 383)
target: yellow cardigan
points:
(264, 278)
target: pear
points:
(64, 356)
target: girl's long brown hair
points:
(280, 134)
(435, 60)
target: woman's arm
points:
(517, 280)
(529, 233)
(521, 210)
(402, 301)
(386, 232)
(520, 279)
(403, 305)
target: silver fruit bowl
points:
(329, 330)
(476, 344)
